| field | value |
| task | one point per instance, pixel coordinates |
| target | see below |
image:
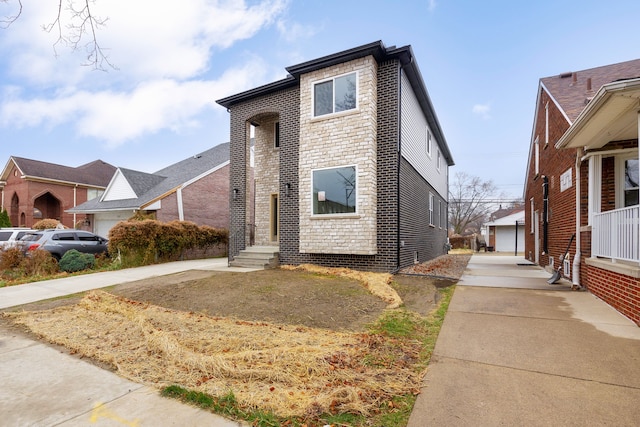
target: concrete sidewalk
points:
(514, 350)
(42, 386)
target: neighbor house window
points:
(428, 142)
(334, 190)
(276, 135)
(438, 161)
(631, 182)
(532, 219)
(430, 209)
(536, 148)
(335, 95)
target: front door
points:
(275, 218)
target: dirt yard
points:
(292, 342)
(291, 297)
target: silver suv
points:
(9, 236)
(59, 241)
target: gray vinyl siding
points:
(414, 140)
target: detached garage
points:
(507, 233)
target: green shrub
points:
(74, 260)
(4, 219)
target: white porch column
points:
(595, 185)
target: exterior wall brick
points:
(380, 163)
(553, 163)
(343, 139)
(267, 167)
(619, 290)
(28, 191)
(419, 239)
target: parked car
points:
(58, 242)
(9, 236)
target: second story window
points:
(276, 135)
(427, 146)
(335, 95)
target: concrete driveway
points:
(514, 350)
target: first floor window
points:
(430, 209)
(334, 190)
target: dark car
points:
(58, 242)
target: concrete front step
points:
(257, 257)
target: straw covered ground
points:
(292, 342)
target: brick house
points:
(195, 189)
(582, 180)
(32, 190)
(351, 165)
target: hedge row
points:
(150, 241)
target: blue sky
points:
(480, 60)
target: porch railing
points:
(615, 234)
(237, 239)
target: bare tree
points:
(469, 202)
(76, 27)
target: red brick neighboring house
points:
(195, 189)
(582, 180)
(33, 190)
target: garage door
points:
(104, 221)
(505, 239)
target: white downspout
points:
(75, 203)
(576, 259)
(180, 206)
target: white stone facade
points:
(342, 139)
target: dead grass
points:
(379, 284)
(288, 370)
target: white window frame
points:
(532, 214)
(427, 144)
(619, 165)
(431, 209)
(546, 124)
(536, 153)
(438, 161)
(333, 107)
(336, 215)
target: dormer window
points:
(335, 95)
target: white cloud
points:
(482, 110)
(117, 117)
(144, 38)
(292, 31)
(163, 51)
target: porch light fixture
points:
(235, 193)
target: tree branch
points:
(8, 20)
(80, 23)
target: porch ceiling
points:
(612, 115)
